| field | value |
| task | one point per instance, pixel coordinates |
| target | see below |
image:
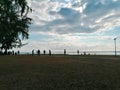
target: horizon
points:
(71, 52)
(74, 24)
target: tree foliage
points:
(14, 23)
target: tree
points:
(14, 23)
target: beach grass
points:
(59, 72)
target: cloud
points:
(60, 42)
(74, 24)
(75, 16)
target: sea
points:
(74, 52)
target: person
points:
(64, 51)
(33, 52)
(38, 52)
(44, 52)
(50, 52)
(78, 52)
(13, 52)
(18, 52)
(84, 53)
(0, 52)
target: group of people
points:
(44, 52)
(38, 52)
(10, 53)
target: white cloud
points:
(75, 16)
(73, 24)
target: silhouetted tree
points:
(14, 23)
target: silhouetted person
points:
(18, 52)
(64, 51)
(44, 52)
(78, 52)
(5, 52)
(84, 53)
(9, 52)
(38, 52)
(0, 52)
(50, 52)
(13, 53)
(33, 52)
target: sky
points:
(87, 25)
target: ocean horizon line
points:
(74, 52)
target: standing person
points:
(50, 52)
(84, 53)
(1, 52)
(13, 52)
(64, 51)
(38, 52)
(18, 52)
(33, 52)
(78, 52)
(44, 52)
